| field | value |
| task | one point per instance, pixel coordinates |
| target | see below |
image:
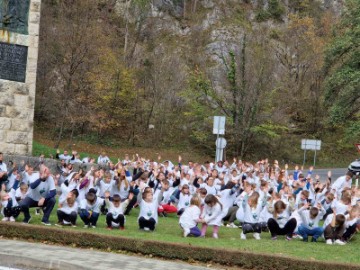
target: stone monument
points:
(19, 39)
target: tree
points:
(246, 81)
(343, 70)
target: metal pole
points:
(217, 137)
(315, 157)
(304, 156)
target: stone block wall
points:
(17, 100)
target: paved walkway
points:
(40, 256)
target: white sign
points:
(310, 144)
(219, 125)
(220, 143)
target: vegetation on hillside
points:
(109, 70)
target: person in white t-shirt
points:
(148, 216)
(191, 216)
(115, 215)
(67, 212)
(103, 158)
(90, 209)
(3, 171)
(41, 194)
(212, 215)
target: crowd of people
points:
(256, 197)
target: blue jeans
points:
(315, 232)
(84, 215)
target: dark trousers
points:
(349, 233)
(84, 215)
(333, 233)
(130, 205)
(147, 223)
(12, 211)
(251, 228)
(29, 203)
(119, 220)
(288, 229)
(231, 214)
(67, 217)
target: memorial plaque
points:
(13, 60)
(14, 15)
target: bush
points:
(241, 259)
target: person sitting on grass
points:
(90, 209)
(148, 216)
(212, 215)
(310, 217)
(103, 159)
(182, 197)
(115, 216)
(281, 223)
(191, 216)
(334, 231)
(67, 211)
(42, 194)
(252, 208)
(351, 223)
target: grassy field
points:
(168, 230)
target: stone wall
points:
(17, 99)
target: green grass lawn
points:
(168, 230)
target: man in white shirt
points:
(3, 171)
(41, 194)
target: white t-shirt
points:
(184, 201)
(69, 209)
(149, 210)
(309, 222)
(3, 167)
(213, 215)
(42, 190)
(189, 217)
(28, 179)
(103, 187)
(92, 207)
(103, 159)
(116, 211)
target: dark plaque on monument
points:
(14, 15)
(13, 60)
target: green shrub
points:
(165, 250)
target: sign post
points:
(307, 144)
(219, 129)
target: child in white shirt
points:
(310, 217)
(191, 216)
(115, 216)
(67, 212)
(212, 215)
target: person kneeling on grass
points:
(310, 217)
(212, 215)
(115, 216)
(41, 194)
(67, 212)
(90, 209)
(148, 215)
(191, 216)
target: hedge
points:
(164, 250)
